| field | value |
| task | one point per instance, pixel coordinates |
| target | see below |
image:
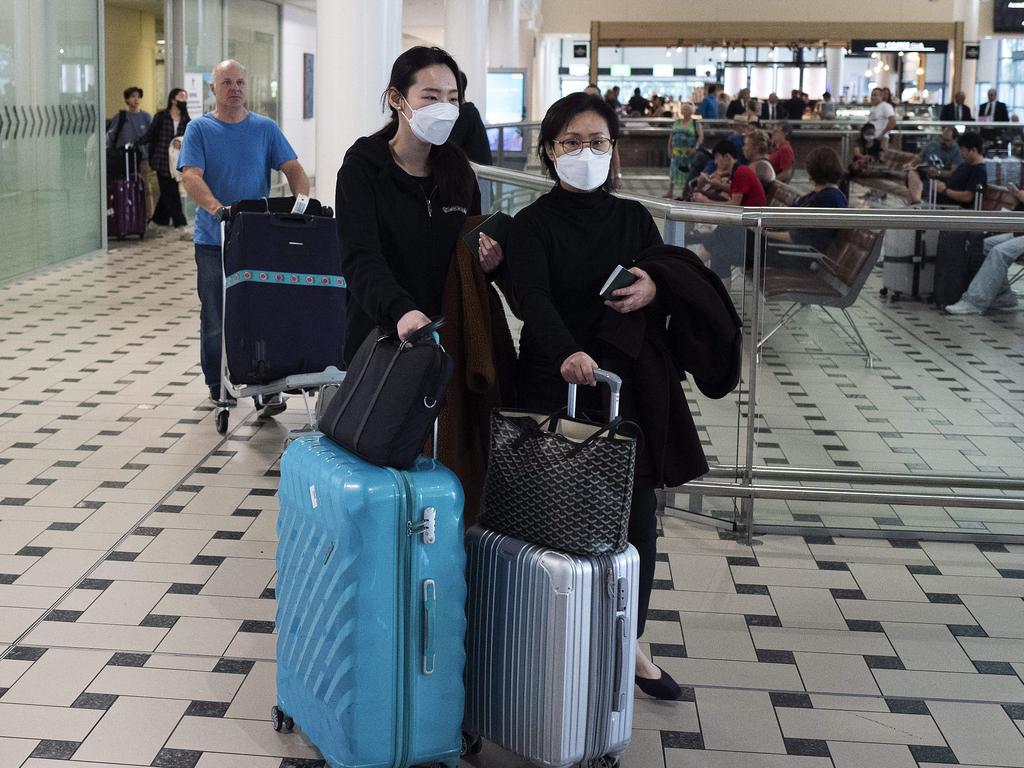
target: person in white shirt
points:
(882, 116)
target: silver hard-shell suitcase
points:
(551, 646)
(551, 649)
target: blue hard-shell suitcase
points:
(371, 595)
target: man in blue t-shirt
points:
(709, 106)
(938, 160)
(227, 155)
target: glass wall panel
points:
(253, 38)
(51, 196)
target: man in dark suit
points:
(957, 110)
(994, 111)
(739, 105)
(771, 110)
(795, 105)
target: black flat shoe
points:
(664, 688)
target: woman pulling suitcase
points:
(561, 250)
(403, 198)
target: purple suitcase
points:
(126, 202)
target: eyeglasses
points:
(573, 146)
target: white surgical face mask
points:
(433, 123)
(586, 171)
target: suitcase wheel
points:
(222, 427)
(280, 720)
(883, 292)
(471, 745)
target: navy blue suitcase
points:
(371, 607)
(284, 294)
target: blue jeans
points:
(210, 286)
(990, 283)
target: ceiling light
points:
(679, 49)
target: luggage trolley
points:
(283, 302)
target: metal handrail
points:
(789, 218)
(797, 124)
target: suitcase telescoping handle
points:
(614, 384)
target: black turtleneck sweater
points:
(561, 250)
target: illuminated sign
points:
(1008, 15)
(621, 70)
(664, 70)
(899, 46)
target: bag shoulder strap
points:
(122, 117)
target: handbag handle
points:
(420, 333)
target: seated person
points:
(990, 288)
(938, 159)
(743, 186)
(962, 185)
(866, 151)
(727, 244)
(826, 171)
(756, 147)
(737, 136)
(782, 158)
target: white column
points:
(834, 61)
(968, 11)
(357, 41)
(503, 24)
(465, 38)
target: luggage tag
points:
(301, 201)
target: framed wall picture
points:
(307, 86)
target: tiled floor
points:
(137, 575)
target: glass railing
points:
(643, 142)
(863, 408)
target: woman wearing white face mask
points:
(403, 195)
(561, 249)
(403, 198)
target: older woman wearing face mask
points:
(562, 248)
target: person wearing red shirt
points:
(782, 158)
(726, 244)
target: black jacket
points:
(999, 112)
(396, 239)
(736, 107)
(703, 337)
(781, 111)
(470, 133)
(949, 113)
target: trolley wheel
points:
(884, 291)
(471, 745)
(289, 724)
(277, 718)
(222, 421)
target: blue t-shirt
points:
(941, 157)
(709, 107)
(819, 239)
(236, 159)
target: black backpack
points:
(390, 397)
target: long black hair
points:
(561, 113)
(171, 97)
(452, 173)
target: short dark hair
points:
(826, 95)
(636, 91)
(970, 141)
(725, 147)
(130, 90)
(712, 87)
(866, 126)
(824, 166)
(463, 82)
(561, 113)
